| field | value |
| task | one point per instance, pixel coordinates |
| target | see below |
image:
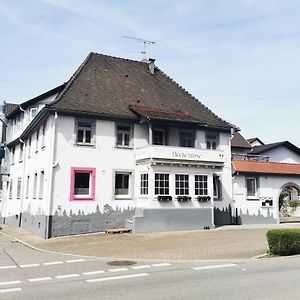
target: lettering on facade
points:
(177, 154)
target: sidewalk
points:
(227, 242)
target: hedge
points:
(284, 242)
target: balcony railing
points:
(176, 154)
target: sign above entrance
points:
(179, 154)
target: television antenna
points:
(145, 42)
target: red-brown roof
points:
(246, 166)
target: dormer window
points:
(33, 112)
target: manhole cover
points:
(121, 263)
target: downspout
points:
(53, 164)
(23, 181)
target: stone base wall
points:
(88, 223)
(36, 224)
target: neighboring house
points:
(120, 144)
(264, 180)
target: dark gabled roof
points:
(255, 139)
(9, 107)
(125, 88)
(238, 141)
(32, 101)
(264, 148)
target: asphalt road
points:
(29, 274)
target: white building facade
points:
(120, 144)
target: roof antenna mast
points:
(145, 42)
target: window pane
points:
(80, 136)
(122, 184)
(126, 139)
(82, 184)
(88, 136)
(251, 187)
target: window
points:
(211, 141)
(84, 133)
(187, 138)
(41, 190)
(37, 141)
(161, 183)
(159, 136)
(82, 184)
(43, 135)
(10, 189)
(122, 184)
(29, 147)
(13, 155)
(21, 153)
(144, 184)
(201, 185)
(34, 185)
(19, 185)
(181, 184)
(251, 183)
(27, 186)
(33, 112)
(217, 187)
(123, 135)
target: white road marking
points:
(141, 267)
(10, 290)
(215, 267)
(117, 277)
(66, 276)
(29, 265)
(117, 270)
(39, 279)
(52, 263)
(8, 267)
(93, 272)
(161, 265)
(74, 260)
(10, 282)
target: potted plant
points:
(184, 198)
(203, 198)
(164, 198)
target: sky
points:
(240, 58)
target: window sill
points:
(218, 199)
(85, 145)
(252, 198)
(124, 147)
(82, 199)
(123, 197)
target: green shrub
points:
(284, 242)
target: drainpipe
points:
(53, 164)
(22, 182)
(150, 133)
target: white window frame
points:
(159, 187)
(184, 133)
(33, 112)
(164, 136)
(85, 129)
(200, 191)
(42, 184)
(217, 187)
(29, 147)
(21, 153)
(10, 189)
(255, 196)
(37, 136)
(124, 132)
(35, 182)
(19, 187)
(43, 135)
(178, 179)
(212, 138)
(130, 180)
(144, 184)
(27, 186)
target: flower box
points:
(203, 198)
(164, 198)
(184, 198)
